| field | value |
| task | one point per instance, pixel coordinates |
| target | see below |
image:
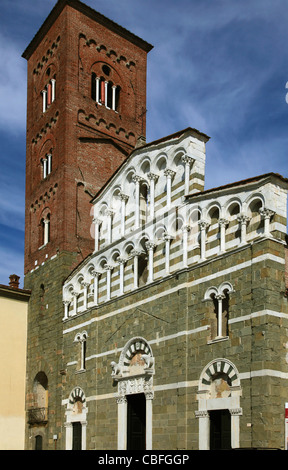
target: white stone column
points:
(46, 231)
(122, 423)
(266, 214)
(243, 219)
(169, 177)
(97, 223)
(203, 227)
(137, 180)
(75, 298)
(66, 309)
(149, 420)
(121, 262)
(135, 255)
(49, 163)
(69, 435)
(97, 84)
(96, 276)
(150, 248)
(124, 200)
(114, 97)
(223, 224)
(109, 214)
(53, 85)
(153, 178)
(188, 162)
(44, 100)
(108, 270)
(185, 230)
(167, 239)
(220, 298)
(235, 427)
(106, 94)
(85, 286)
(84, 433)
(44, 163)
(204, 429)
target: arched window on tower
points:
(104, 91)
(45, 230)
(46, 164)
(42, 298)
(49, 91)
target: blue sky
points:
(220, 66)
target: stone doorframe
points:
(229, 400)
(134, 379)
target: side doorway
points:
(136, 422)
(220, 430)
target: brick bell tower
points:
(86, 110)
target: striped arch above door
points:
(216, 367)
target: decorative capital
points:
(167, 237)
(266, 213)
(223, 222)
(243, 219)
(186, 228)
(150, 245)
(110, 212)
(121, 400)
(149, 395)
(123, 197)
(85, 284)
(137, 178)
(169, 173)
(109, 267)
(137, 253)
(96, 273)
(220, 296)
(203, 224)
(153, 176)
(187, 160)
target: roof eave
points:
(94, 15)
(249, 181)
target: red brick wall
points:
(88, 141)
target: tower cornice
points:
(89, 12)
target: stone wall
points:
(173, 318)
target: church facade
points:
(158, 313)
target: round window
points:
(106, 70)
